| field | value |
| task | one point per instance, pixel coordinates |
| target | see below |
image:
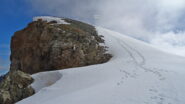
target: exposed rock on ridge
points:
(48, 45)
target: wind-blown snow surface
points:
(137, 74)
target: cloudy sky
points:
(158, 22)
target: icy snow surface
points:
(137, 74)
(49, 19)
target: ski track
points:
(141, 64)
(158, 97)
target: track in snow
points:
(140, 61)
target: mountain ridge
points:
(137, 74)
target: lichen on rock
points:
(15, 86)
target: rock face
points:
(49, 45)
(15, 87)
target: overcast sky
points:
(158, 22)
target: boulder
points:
(50, 45)
(15, 86)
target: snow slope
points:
(137, 74)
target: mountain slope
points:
(137, 74)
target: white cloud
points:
(143, 19)
(170, 42)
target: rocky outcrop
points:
(15, 87)
(49, 45)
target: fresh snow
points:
(49, 19)
(137, 74)
(45, 79)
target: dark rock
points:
(46, 46)
(15, 86)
